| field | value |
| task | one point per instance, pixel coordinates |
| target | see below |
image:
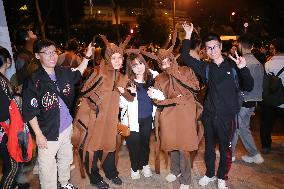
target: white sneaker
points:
(233, 158)
(68, 186)
(147, 171)
(36, 169)
(171, 177)
(135, 174)
(258, 159)
(222, 184)
(205, 180)
(183, 186)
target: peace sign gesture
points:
(240, 61)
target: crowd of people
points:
(70, 100)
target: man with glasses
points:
(48, 95)
(222, 104)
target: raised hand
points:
(188, 28)
(240, 61)
(91, 48)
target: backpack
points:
(19, 142)
(236, 80)
(273, 89)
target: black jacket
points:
(223, 95)
(40, 98)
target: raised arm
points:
(86, 59)
(197, 66)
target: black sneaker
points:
(116, 180)
(68, 186)
(101, 185)
(24, 186)
(265, 150)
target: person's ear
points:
(221, 46)
(37, 56)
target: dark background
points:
(63, 19)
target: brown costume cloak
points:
(178, 118)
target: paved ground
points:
(269, 175)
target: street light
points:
(232, 15)
(174, 12)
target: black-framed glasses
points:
(215, 47)
(50, 53)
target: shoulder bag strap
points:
(280, 72)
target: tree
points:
(153, 27)
(41, 24)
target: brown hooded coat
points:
(95, 124)
(178, 118)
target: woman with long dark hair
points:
(138, 114)
(10, 166)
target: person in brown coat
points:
(95, 126)
(178, 113)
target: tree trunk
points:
(41, 24)
(115, 9)
(67, 23)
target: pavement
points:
(268, 175)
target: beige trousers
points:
(57, 157)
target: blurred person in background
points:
(270, 113)
(70, 57)
(251, 100)
(26, 63)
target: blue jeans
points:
(243, 129)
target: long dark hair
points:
(130, 61)
(4, 54)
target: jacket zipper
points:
(114, 80)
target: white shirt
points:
(274, 65)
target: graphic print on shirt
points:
(67, 89)
(34, 102)
(4, 85)
(49, 101)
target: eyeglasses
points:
(215, 47)
(50, 53)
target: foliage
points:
(153, 28)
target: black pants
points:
(138, 144)
(216, 127)
(10, 167)
(268, 119)
(108, 167)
